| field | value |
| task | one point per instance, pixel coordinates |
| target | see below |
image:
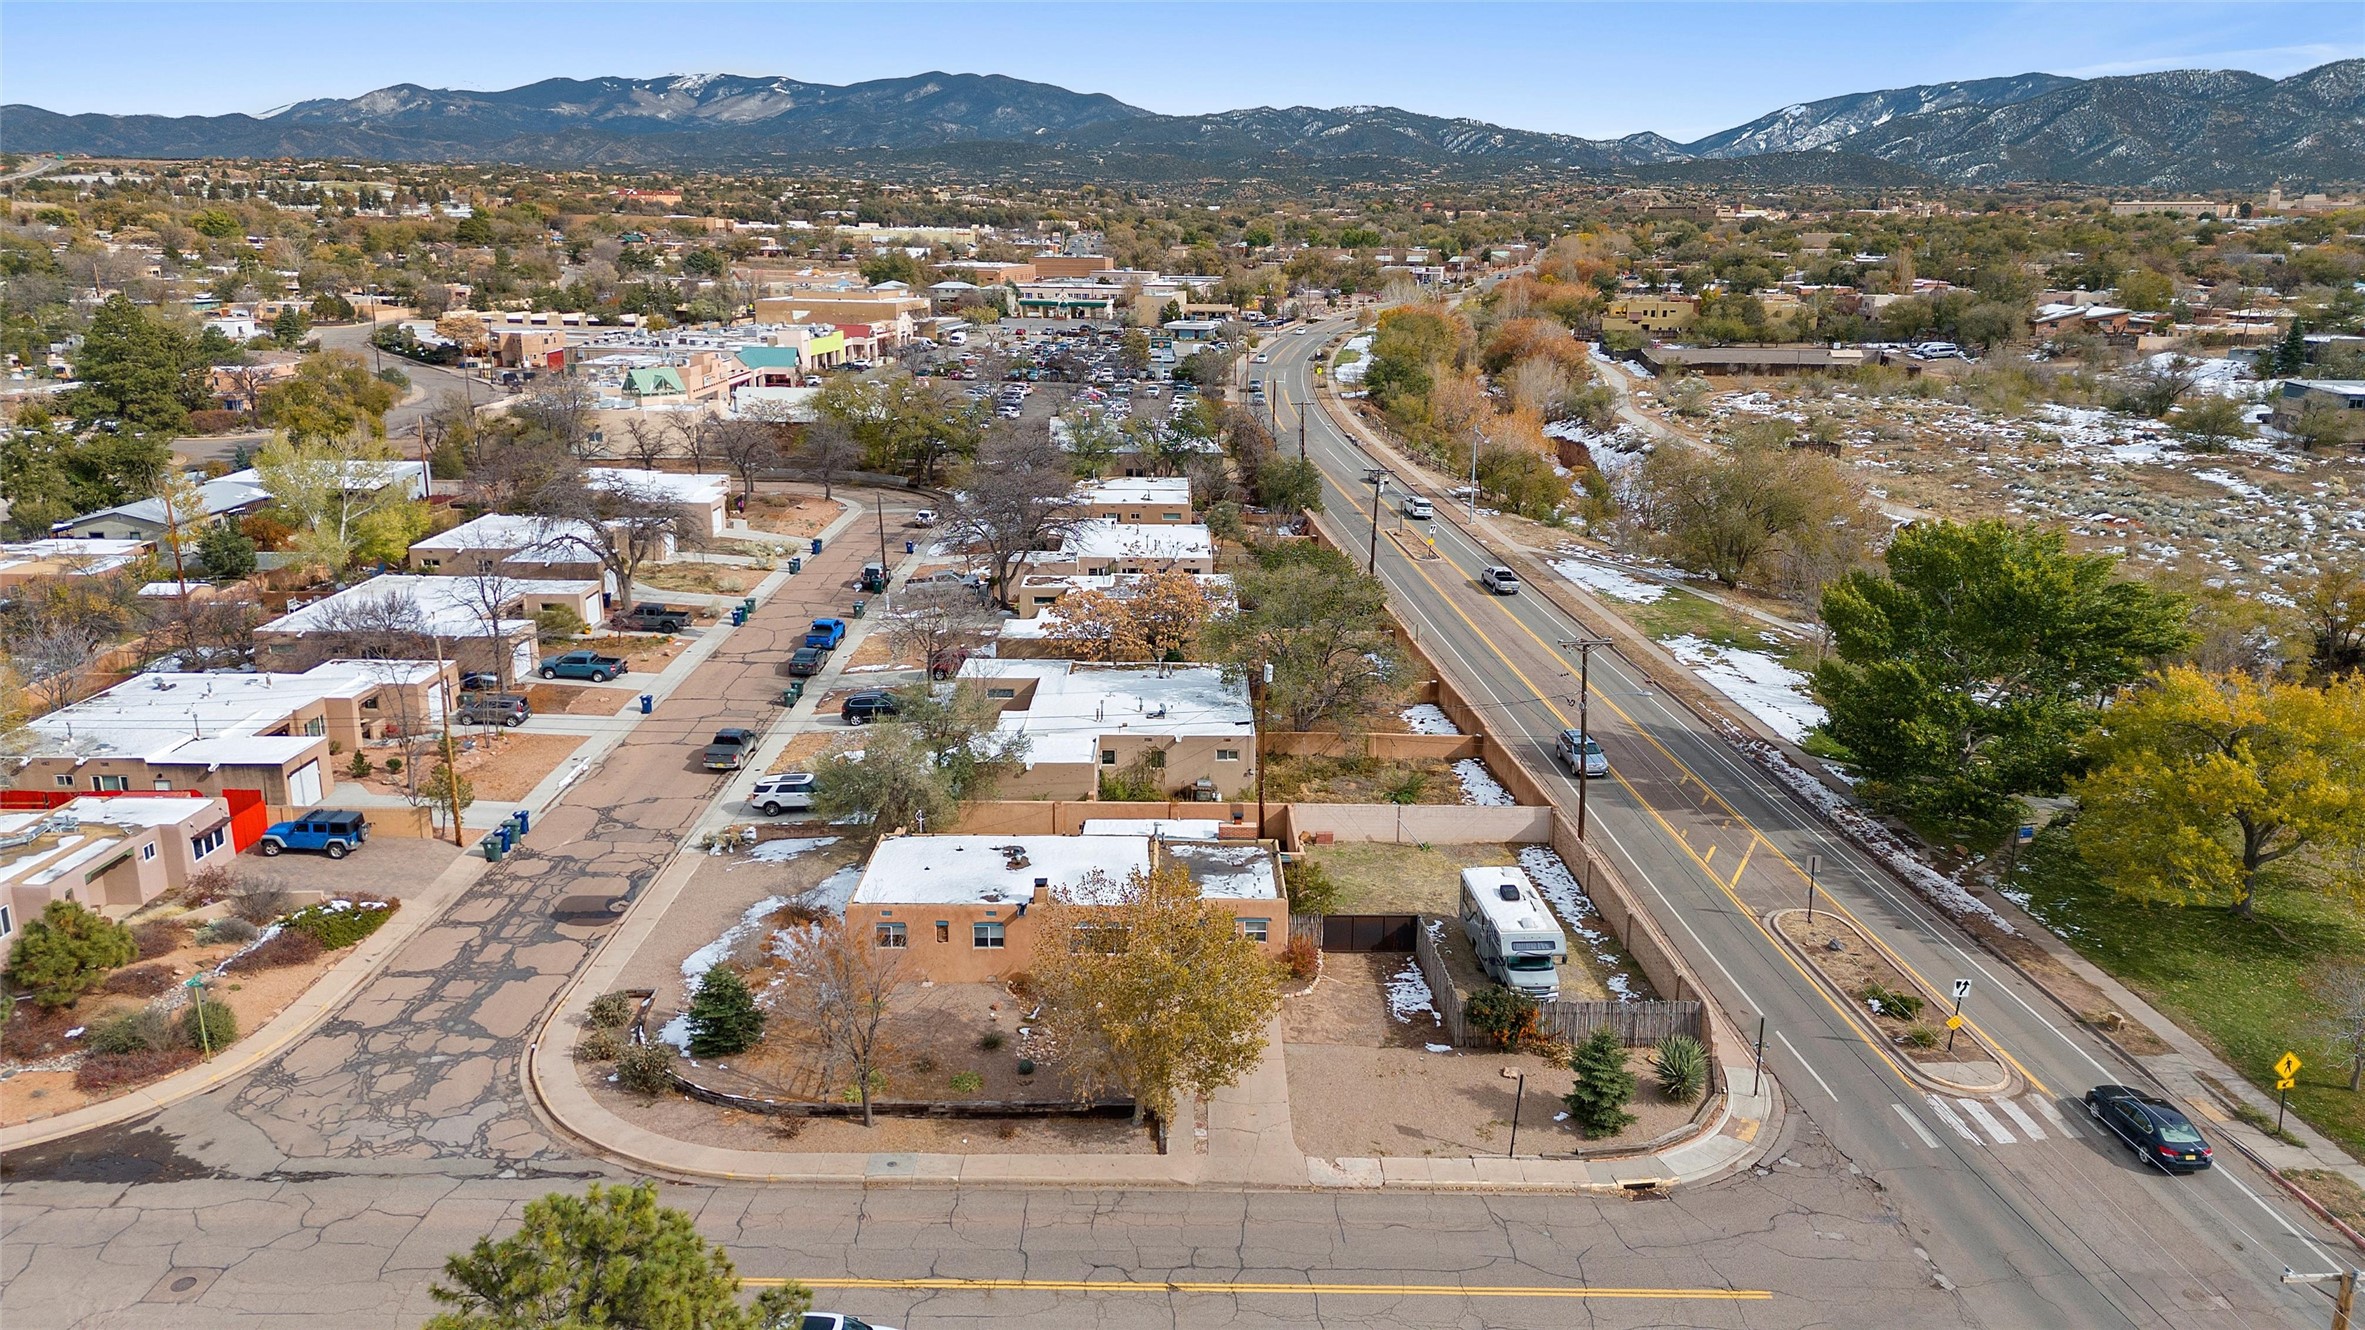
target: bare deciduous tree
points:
(935, 625)
(51, 653)
(827, 451)
(622, 522)
(1019, 497)
(2341, 991)
(645, 444)
(561, 410)
(839, 989)
(747, 446)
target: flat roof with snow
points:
(1172, 828)
(445, 603)
(1102, 538)
(175, 719)
(680, 487)
(532, 539)
(983, 870)
(1168, 490)
(1075, 704)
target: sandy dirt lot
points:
(577, 699)
(689, 1120)
(503, 767)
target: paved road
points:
(2017, 1197)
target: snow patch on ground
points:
(695, 965)
(1409, 995)
(832, 894)
(1760, 684)
(1352, 371)
(2228, 480)
(781, 851)
(1428, 718)
(1604, 580)
(1479, 785)
(1550, 874)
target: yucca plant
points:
(1681, 1066)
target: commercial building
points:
(268, 732)
(1187, 725)
(966, 909)
(1652, 314)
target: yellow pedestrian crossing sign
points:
(2287, 1066)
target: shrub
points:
(1597, 1103)
(130, 1032)
(967, 1082)
(360, 766)
(609, 1011)
(646, 1068)
(1301, 958)
(66, 952)
(259, 903)
(231, 929)
(1407, 788)
(209, 1023)
(924, 1064)
(138, 981)
(1922, 1036)
(394, 766)
(1312, 890)
(211, 421)
(286, 947)
(1026, 1066)
(1891, 1003)
(599, 1044)
(341, 923)
(208, 884)
(990, 1040)
(1681, 1066)
(29, 1031)
(724, 1018)
(1504, 1015)
(160, 938)
(109, 1071)
(556, 624)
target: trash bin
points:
(648, 703)
(491, 845)
(859, 607)
(795, 565)
(748, 604)
(524, 823)
(911, 547)
(738, 616)
(817, 544)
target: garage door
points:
(303, 784)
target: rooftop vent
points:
(1013, 857)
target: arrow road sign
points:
(1962, 989)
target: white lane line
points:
(1987, 1122)
(1916, 1124)
(1947, 1116)
(2028, 1125)
(1802, 1061)
(2053, 1114)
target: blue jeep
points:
(333, 832)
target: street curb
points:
(324, 998)
(1912, 1069)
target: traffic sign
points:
(2286, 1083)
(1962, 989)
(1954, 1022)
(2287, 1066)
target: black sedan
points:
(2159, 1131)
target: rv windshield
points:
(1529, 962)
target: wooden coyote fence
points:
(1638, 1024)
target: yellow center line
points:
(1314, 1290)
(1743, 866)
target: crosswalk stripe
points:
(1987, 1122)
(2054, 1115)
(2028, 1125)
(1947, 1116)
(1916, 1124)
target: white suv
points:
(784, 792)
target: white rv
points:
(1518, 941)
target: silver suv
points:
(1500, 580)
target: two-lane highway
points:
(2018, 1195)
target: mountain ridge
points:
(2175, 129)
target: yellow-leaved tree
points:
(1153, 988)
(1156, 618)
(2206, 786)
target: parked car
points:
(826, 634)
(1498, 579)
(479, 683)
(2159, 1131)
(837, 1321)
(924, 517)
(864, 707)
(783, 792)
(510, 709)
(335, 832)
(947, 662)
(582, 665)
(1582, 754)
(874, 577)
(729, 749)
(805, 662)
(652, 618)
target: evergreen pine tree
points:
(2291, 354)
(1597, 1103)
(723, 1015)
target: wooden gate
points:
(1369, 932)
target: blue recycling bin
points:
(648, 704)
(501, 833)
(524, 823)
(795, 564)
(738, 616)
(911, 547)
(817, 544)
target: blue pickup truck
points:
(825, 634)
(330, 831)
(582, 665)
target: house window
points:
(147, 852)
(110, 782)
(1108, 757)
(1227, 754)
(1257, 930)
(65, 782)
(985, 935)
(7, 922)
(164, 782)
(201, 846)
(316, 726)
(891, 935)
(1001, 694)
(944, 930)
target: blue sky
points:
(1683, 69)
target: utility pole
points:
(1379, 480)
(884, 566)
(2344, 1301)
(1261, 698)
(1583, 646)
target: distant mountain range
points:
(2177, 130)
